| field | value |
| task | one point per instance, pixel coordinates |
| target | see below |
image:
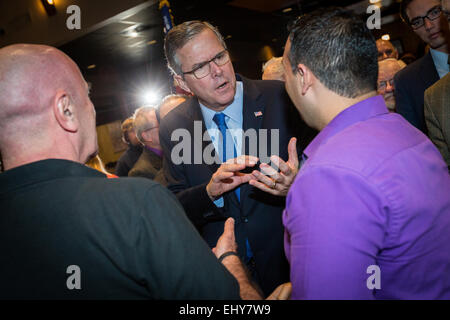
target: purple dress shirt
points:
(374, 191)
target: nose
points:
(389, 87)
(215, 69)
(427, 23)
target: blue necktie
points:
(219, 119)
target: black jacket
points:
(258, 215)
(128, 236)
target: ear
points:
(306, 78)
(147, 136)
(179, 80)
(65, 112)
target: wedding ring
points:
(274, 185)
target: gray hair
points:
(180, 35)
(140, 121)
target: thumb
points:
(292, 151)
(228, 230)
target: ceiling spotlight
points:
(49, 6)
(92, 66)
(287, 10)
(386, 37)
(149, 97)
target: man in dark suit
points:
(231, 123)
(428, 21)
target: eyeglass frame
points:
(390, 81)
(202, 64)
(422, 18)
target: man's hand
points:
(282, 292)
(228, 177)
(277, 183)
(234, 265)
(227, 241)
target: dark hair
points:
(338, 48)
(181, 34)
(403, 5)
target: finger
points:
(269, 170)
(243, 159)
(263, 187)
(267, 175)
(222, 175)
(283, 166)
(293, 154)
(228, 229)
(233, 167)
(286, 291)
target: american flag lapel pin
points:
(258, 114)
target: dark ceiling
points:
(127, 63)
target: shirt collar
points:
(155, 151)
(43, 170)
(358, 112)
(440, 60)
(233, 111)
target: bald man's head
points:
(44, 101)
(386, 50)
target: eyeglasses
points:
(383, 84)
(431, 15)
(204, 68)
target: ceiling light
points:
(386, 37)
(49, 6)
(149, 97)
(287, 10)
(92, 66)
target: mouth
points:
(435, 35)
(222, 86)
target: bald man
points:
(387, 69)
(67, 232)
(273, 69)
(386, 50)
(169, 103)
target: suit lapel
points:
(196, 118)
(253, 112)
(428, 71)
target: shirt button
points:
(245, 220)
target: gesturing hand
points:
(277, 183)
(227, 240)
(228, 177)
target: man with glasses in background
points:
(149, 164)
(428, 21)
(224, 107)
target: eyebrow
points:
(426, 14)
(201, 64)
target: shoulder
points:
(367, 145)
(411, 71)
(263, 86)
(440, 88)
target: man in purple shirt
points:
(368, 216)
